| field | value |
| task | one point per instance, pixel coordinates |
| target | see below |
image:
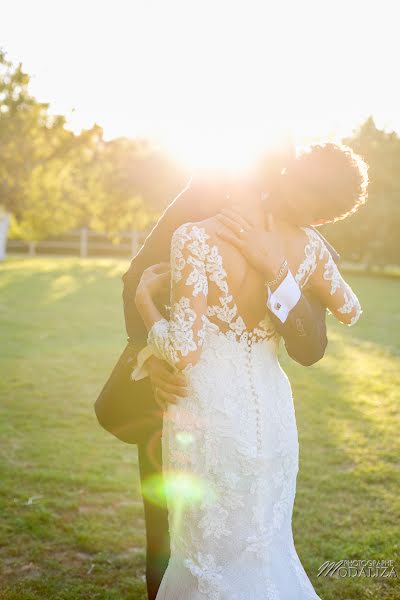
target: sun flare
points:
(230, 148)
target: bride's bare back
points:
(246, 284)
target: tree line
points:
(53, 180)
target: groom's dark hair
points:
(324, 183)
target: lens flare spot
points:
(185, 486)
(184, 438)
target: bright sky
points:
(211, 77)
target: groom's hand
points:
(155, 281)
(168, 386)
(258, 242)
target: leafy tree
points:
(370, 235)
(52, 180)
(134, 182)
(29, 135)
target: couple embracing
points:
(228, 271)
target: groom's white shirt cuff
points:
(284, 298)
(140, 371)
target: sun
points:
(227, 147)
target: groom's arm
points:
(300, 317)
(303, 327)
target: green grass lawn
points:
(72, 522)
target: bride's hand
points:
(154, 282)
(261, 246)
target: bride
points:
(230, 448)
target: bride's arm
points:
(179, 339)
(334, 292)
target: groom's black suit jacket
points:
(304, 331)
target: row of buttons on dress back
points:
(250, 341)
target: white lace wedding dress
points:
(230, 449)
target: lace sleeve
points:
(179, 339)
(332, 289)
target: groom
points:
(298, 317)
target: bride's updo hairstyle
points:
(323, 183)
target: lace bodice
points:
(196, 265)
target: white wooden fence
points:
(82, 242)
